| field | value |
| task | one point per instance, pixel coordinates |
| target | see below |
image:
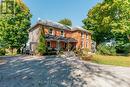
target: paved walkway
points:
(27, 71)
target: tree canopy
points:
(13, 27)
(109, 20)
(66, 21)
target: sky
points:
(55, 10)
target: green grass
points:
(112, 60)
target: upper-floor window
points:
(82, 44)
(82, 34)
(87, 36)
(51, 31)
(87, 44)
(62, 33)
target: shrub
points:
(126, 48)
(2, 52)
(83, 54)
(78, 52)
(69, 46)
(106, 49)
(123, 48)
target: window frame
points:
(51, 31)
(62, 33)
(82, 44)
(87, 36)
(82, 34)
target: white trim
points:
(82, 34)
(63, 33)
(82, 44)
(52, 33)
(87, 36)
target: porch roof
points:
(59, 38)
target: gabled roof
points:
(51, 24)
(80, 29)
(58, 25)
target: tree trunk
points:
(97, 43)
(12, 51)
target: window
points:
(82, 43)
(48, 44)
(82, 34)
(87, 44)
(87, 36)
(62, 33)
(51, 31)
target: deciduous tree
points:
(109, 20)
(13, 27)
(66, 22)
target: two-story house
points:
(59, 36)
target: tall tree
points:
(66, 21)
(13, 27)
(109, 20)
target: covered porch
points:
(59, 43)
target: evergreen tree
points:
(41, 48)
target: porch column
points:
(68, 45)
(58, 46)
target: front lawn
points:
(112, 60)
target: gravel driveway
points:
(28, 71)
